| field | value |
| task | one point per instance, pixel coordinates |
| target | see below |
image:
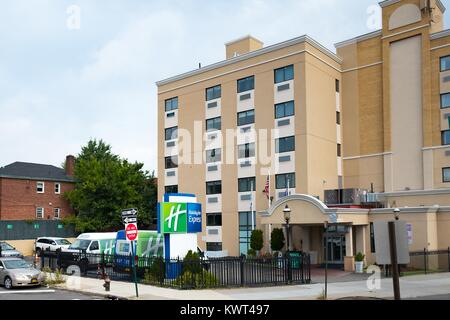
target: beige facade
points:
(366, 117)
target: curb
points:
(106, 296)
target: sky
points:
(72, 70)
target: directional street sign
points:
(128, 220)
(129, 213)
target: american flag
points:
(266, 187)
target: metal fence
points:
(428, 262)
(23, 230)
(185, 274)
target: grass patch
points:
(53, 278)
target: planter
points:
(359, 266)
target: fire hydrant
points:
(107, 284)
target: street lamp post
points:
(287, 217)
(326, 260)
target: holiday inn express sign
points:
(181, 218)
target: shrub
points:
(256, 240)
(191, 262)
(202, 279)
(53, 278)
(277, 239)
(251, 252)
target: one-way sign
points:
(128, 220)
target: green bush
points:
(156, 272)
(191, 263)
(53, 278)
(202, 279)
(256, 240)
(251, 252)
(277, 239)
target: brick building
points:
(35, 191)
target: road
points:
(43, 293)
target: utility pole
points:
(394, 260)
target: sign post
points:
(129, 218)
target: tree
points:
(256, 240)
(105, 185)
(277, 239)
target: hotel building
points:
(351, 135)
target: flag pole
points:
(270, 202)
(253, 205)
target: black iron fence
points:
(185, 274)
(428, 262)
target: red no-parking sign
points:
(131, 231)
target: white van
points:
(95, 243)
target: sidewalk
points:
(411, 287)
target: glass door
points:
(336, 248)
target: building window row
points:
(446, 137)
(214, 124)
(284, 74)
(213, 246)
(40, 213)
(214, 187)
(246, 118)
(446, 175)
(40, 187)
(285, 181)
(246, 151)
(214, 155)
(246, 184)
(171, 162)
(171, 189)
(445, 100)
(247, 220)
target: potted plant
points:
(359, 262)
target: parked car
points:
(8, 250)
(16, 272)
(51, 244)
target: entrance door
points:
(336, 248)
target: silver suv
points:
(50, 244)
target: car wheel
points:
(8, 283)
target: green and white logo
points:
(174, 217)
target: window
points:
(446, 175)
(337, 86)
(246, 184)
(282, 180)
(214, 155)
(445, 63)
(57, 213)
(94, 246)
(213, 93)
(446, 138)
(40, 213)
(57, 188)
(172, 104)
(246, 84)
(40, 186)
(214, 124)
(284, 74)
(171, 162)
(372, 238)
(338, 117)
(246, 219)
(445, 100)
(214, 246)
(246, 117)
(172, 133)
(339, 150)
(283, 145)
(246, 151)
(284, 110)
(171, 189)
(214, 187)
(213, 219)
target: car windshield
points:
(80, 245)
(16, 264)
(6, 246)
(62, 242)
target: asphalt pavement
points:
(43, 293)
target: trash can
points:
(295, 257)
